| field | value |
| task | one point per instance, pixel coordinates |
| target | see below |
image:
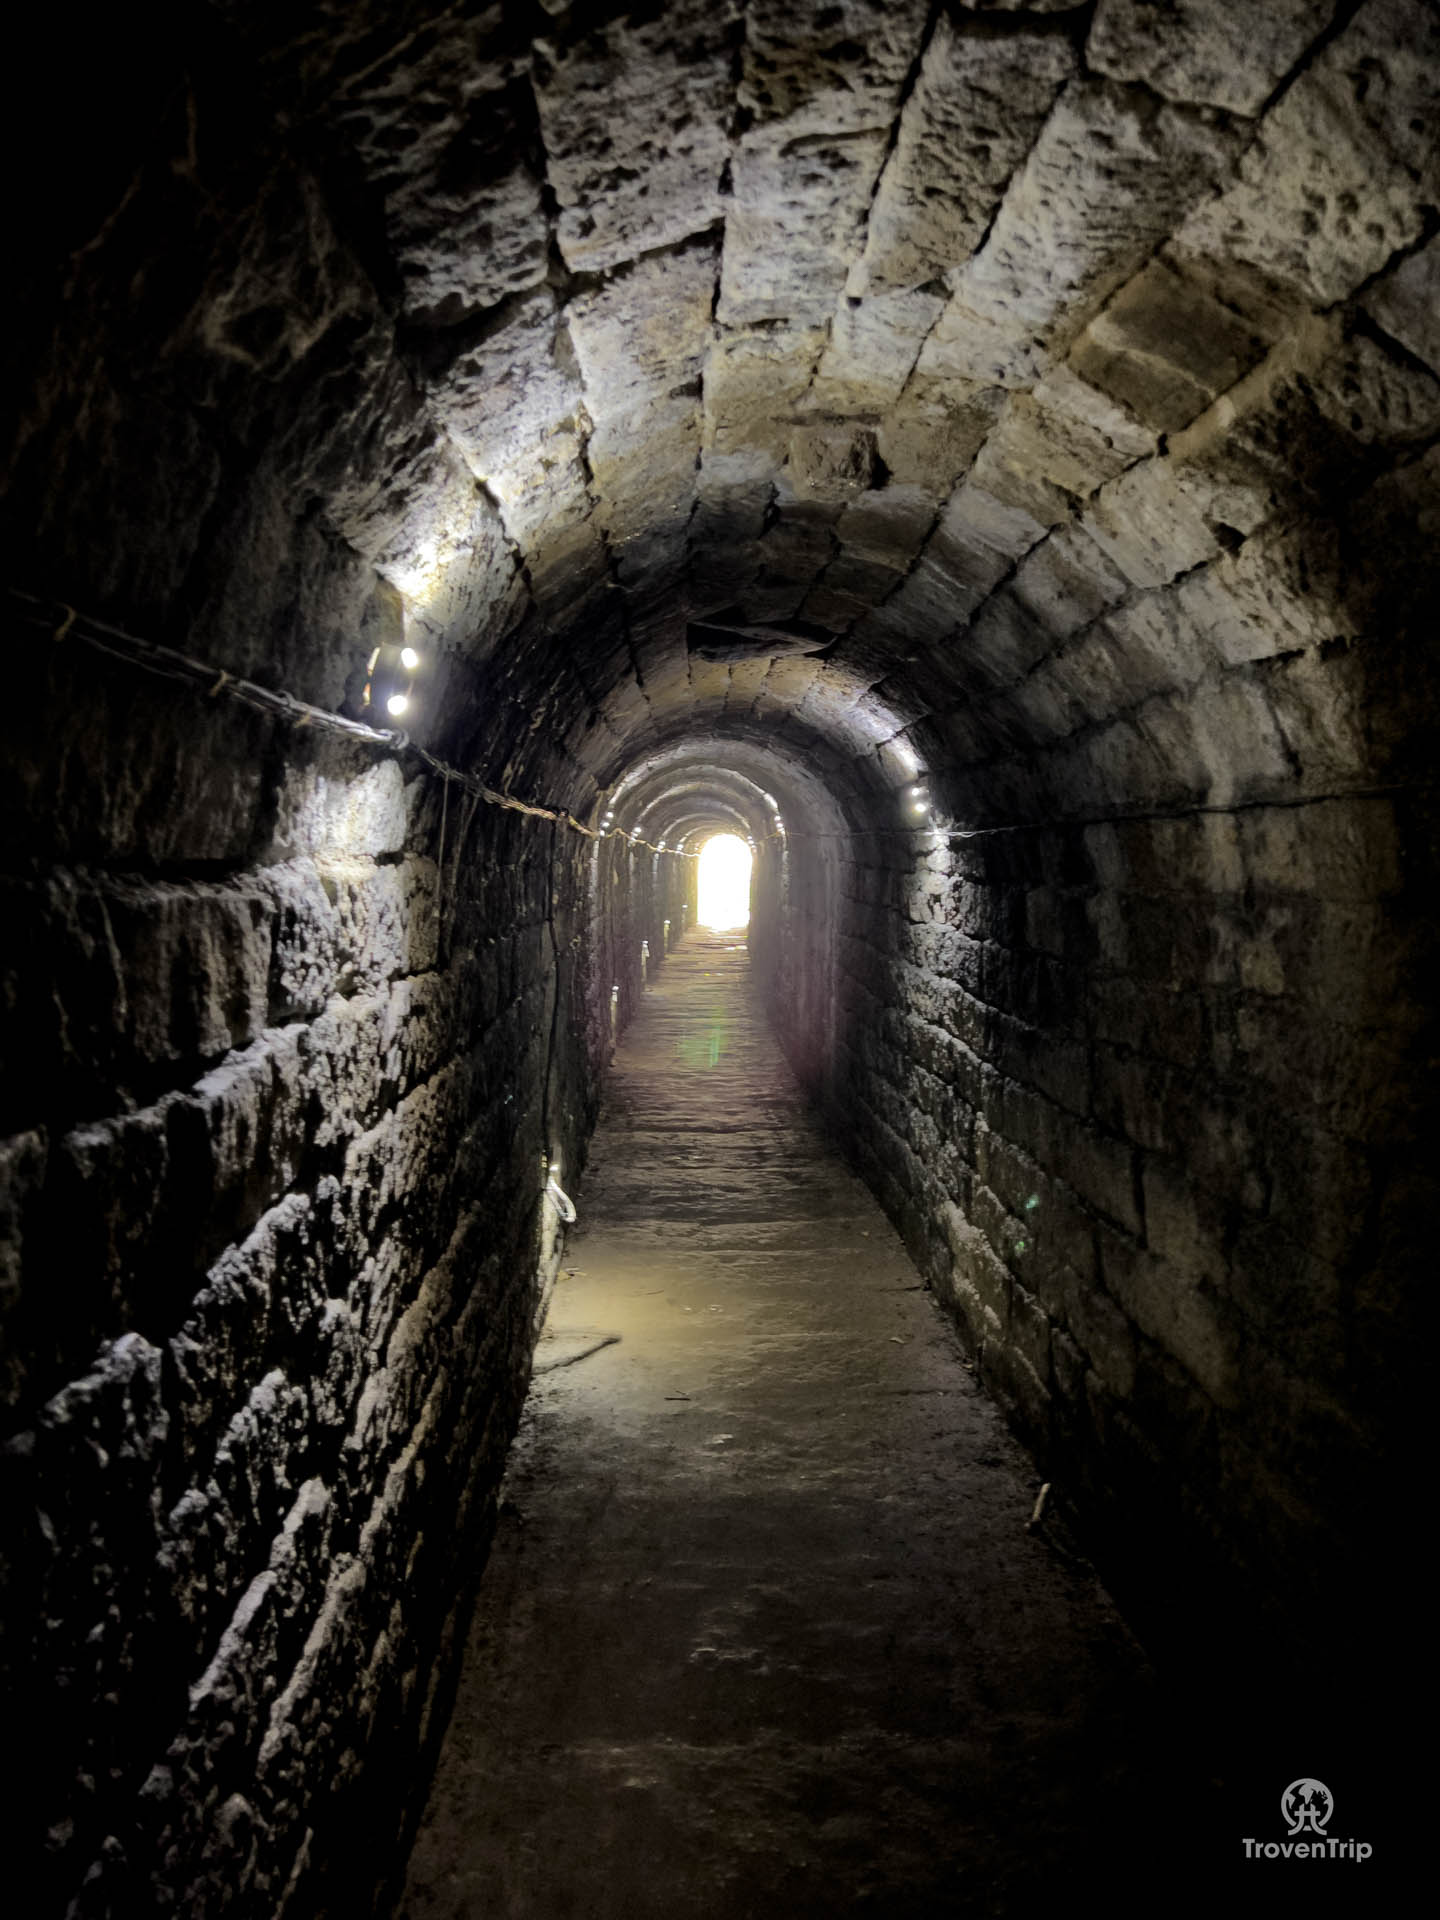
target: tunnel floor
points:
(763, 1631)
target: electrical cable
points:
(64, 623)
(560, 1200)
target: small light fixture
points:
(390, 679)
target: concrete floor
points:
(764, 1632)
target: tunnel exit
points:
(725, 866)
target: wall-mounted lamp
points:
(390, 680)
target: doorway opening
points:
(725, 865)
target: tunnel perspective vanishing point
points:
(981, 456)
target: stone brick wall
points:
(277, 1102)
(1044, 398)
(635, 894)
(1125, 1086)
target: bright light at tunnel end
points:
(724, 877)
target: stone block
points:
(1066, 581)
(239, 1134)
(1050, 1230)
(1067, 1373)
(1065, 434)
(23, 1160)
(634, 122)
(840, 70)
(1105, 182)
(1024, 1395)
(1147, 527)
(511, 402)
(259, 1300)
(831, 465)
(1215, 53)
(194, 964)
(935, 429)
(361, 814)
(441, 126)
(978, 101)
(1134, 1097)
(887, 524)
(1406, 303)
(872, 347)
(1030, 1329)
(1343, 850)
(796, 221)
(754, 381)
(1314, 420)
(981, 1278)
(847, 590)
(1174, 1308)
(1100, 1170)
(1167, 345)
(979, 538)
(1102, 1331)
(1335, 181)
(643, 333)
(94, 1464)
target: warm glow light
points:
(409, 659)
(725, 865)
(397, 703)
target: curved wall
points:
(1037, 405)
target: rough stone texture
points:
(977, 104)
(1214, 53)
(1109, 175)
(821, 92)
(442, 123)
(1407, 304)
(1125, 554)
(1336, 176)
(635, 127)
(1166, 346)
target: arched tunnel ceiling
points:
(753, 784)
(966, 374)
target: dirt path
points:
(764, 1633)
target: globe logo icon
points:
(1307, 1806)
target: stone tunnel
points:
(460, 456)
